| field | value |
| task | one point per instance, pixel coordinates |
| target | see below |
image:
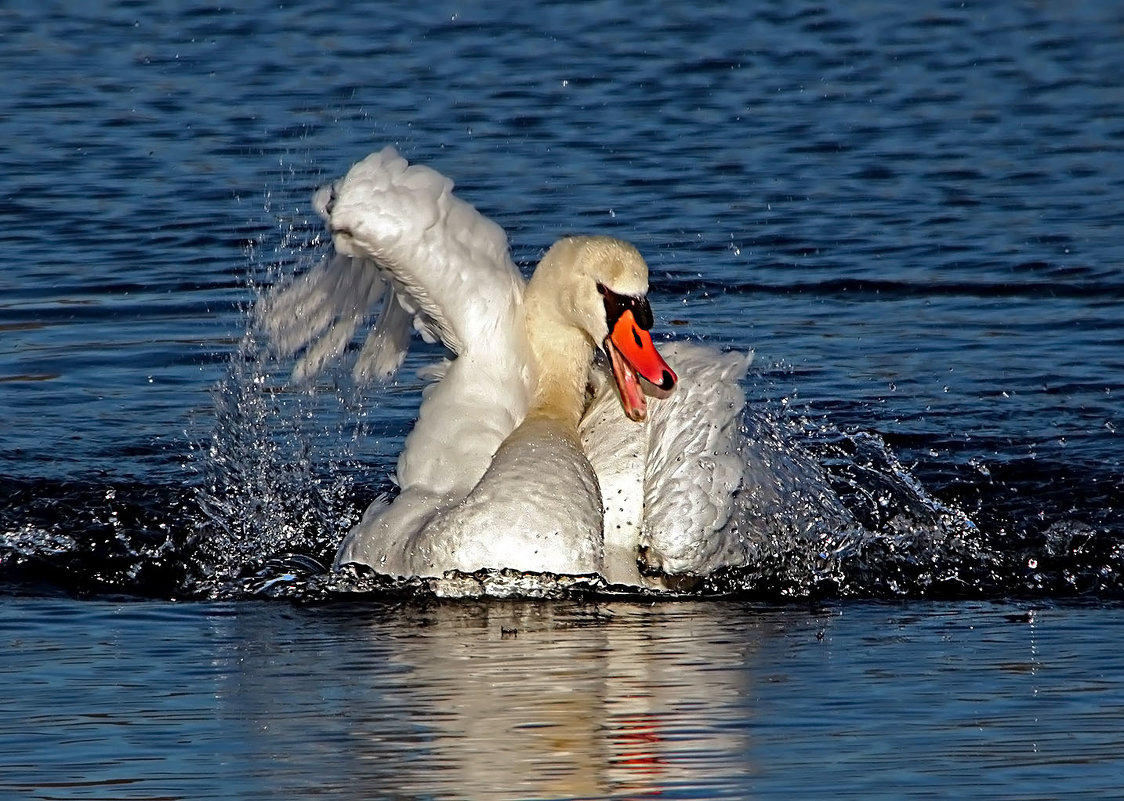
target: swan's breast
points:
(537, 508)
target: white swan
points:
(527, 453)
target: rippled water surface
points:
(910, 212)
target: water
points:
(692, 700)
(908, 211)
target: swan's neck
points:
(562, 356)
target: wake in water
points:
(270, 492)
(839, 516)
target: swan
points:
(558, 439)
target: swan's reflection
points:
(517, 700)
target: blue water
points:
(910, 211)
(694, 700)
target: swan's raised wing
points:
(403, 240)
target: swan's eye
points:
(617, 304)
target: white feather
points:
(695, 464)
(436, 264)
(669, 483)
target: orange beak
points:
(633, 356)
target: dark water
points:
(910, 211)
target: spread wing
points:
(406, 247)
(409, 254)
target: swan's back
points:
(669, 484)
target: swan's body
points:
(526, 454)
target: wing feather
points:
(669, 485)
(695, 462)
(403, 241)
(449, 263)
(406, 247)
(386, 345)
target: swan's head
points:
(600, 286)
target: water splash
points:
(824, 512)
(279, 467)
(92, 536)
(282, 474)
(828, 512)
(265, 489)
